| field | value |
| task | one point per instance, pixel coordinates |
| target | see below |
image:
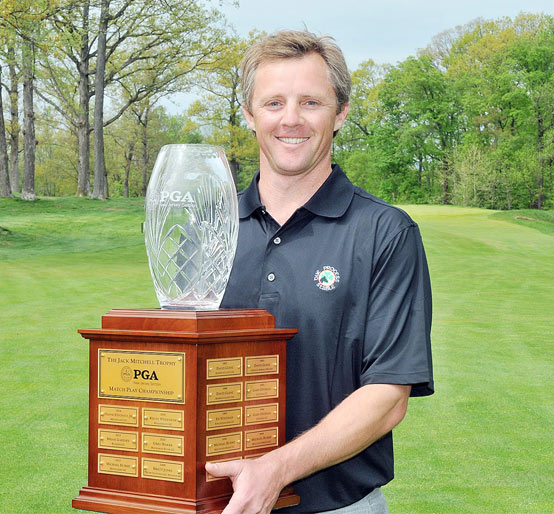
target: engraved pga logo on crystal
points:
(175, 199)
(191, 226)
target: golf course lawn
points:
(484, 443)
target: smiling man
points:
(346, 269)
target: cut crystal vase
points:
(191, 226)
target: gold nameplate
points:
(210, 478)
(118, 440)
(163, 444)
(262, 365)
(115, 465)
(224, 393)
(262, 389)
(113, 415)
(163, 418)
(144, 376)
(167, 470)
(223, 418)
(224, 368)
(261, 438)
(255, 414)
(228, 443)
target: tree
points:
(14, 115)
(161, 37)
(100, 190)
(219, 109)
(22, 18)
(148, 48)
(534, 64)
(5, 189)
(421, 105)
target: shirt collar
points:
(330, 200)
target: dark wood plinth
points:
(202, 338)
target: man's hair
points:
(290, 44)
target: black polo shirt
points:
(349, 272)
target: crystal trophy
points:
(191, 226)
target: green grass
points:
(482, 443)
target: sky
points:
(387, 31)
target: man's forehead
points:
(273, 68)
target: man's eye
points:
(311, 103)
(275, 103)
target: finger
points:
(223, 469)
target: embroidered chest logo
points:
(327, 278)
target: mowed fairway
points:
(482, 444)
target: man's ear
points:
(249, 118)
(341, 117)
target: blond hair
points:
(290, 44)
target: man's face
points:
(294, 114)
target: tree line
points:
(469, 120)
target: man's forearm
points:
(363, 417)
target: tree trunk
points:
(29, 141)
(144, 157)
(234, 167)
(128, 162)
(100, 183)
(83, 124)
(541, 131)
(14, 122)
(5, 189)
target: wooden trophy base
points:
(172, 390)
(117, 502)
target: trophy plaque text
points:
(171, 390)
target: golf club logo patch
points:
(327, 278)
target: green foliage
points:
(469, 121)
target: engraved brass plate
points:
(163, 418)
(211, 478)
(261, 365)
(167, 470)
(224, 393)
(115, 415)
(163, 444)
(223, 418)
(224, 368)
(144, 376)
(261, 438)
(262, 389)
(256, 414)
(228, 443)
(118, 440)
(116, 465)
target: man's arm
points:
(363, 417)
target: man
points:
(343, 267)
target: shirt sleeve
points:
(397, 346)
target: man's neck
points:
(282, 195)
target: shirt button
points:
(271, 277)
(277, 240)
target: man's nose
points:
(292, 115)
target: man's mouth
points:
(293, 140)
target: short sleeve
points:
(397, 346)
